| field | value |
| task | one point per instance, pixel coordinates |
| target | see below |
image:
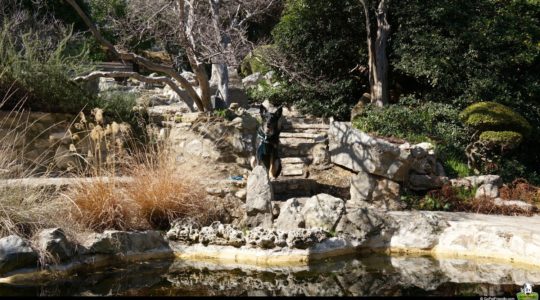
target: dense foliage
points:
(444, 56)
(40, 69)
(416, 122)
(320, 42)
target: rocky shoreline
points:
(511, 240)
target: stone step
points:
(294, 125)
(294, 160)
(292, 170)
(293, 166)
(303, 135)
(285, 188)
(300, 142)
(305, 120)
(300, 150)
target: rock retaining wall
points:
(441, 234)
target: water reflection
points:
(370, 275)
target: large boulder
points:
(259, 198)
(323, 211)
(16, 253)
(417, 230)
(290, 215)
(366, 227)
(358, 151)
(361, 152)
(55, 242)
(124, 242)
(378, 191)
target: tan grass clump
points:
(24, 210)
(100, 204)
(156, 192)
(163, 195)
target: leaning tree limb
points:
(147, 79)
(123, 55)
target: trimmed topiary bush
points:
(494, 116)
(505, 139)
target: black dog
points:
(267, 142)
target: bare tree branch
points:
(139, 59)
(147, 79)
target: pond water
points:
(371, 275)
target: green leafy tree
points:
(317, 44)
(464, 51)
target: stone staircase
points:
(300, 141)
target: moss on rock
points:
(494, 116)
(256, 61)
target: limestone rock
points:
(474, 181)
(262, 238)
(366, 227)
(487, 190)
(358, 151)
(252, 80)
(521, 204)
(54, 241)
(241, 194)
(320, 154)
(16, 253)
(378, 191)
(290, 215)
(423, 182)
(184, 230)
(305, 238)
(221, 234)
(418, 230)
(124, 242)
(259, 198)
(323, 211)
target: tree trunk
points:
(188, 42)
(220, 71)
(140, 60)
(121, 74)
(220, 76)
(378, 61)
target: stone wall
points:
(35, 138)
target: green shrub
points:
(494, 116)
(454, 165)
(319, 41)
(42, 70)
(321, 37)
(416, 122)
(511, 168)
(506, 139)
(119, 106)
(326, 99)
